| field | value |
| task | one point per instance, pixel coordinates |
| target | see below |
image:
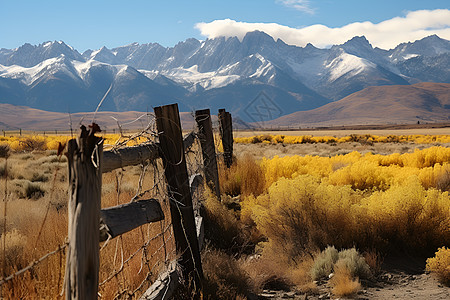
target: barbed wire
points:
(33, 264)
(157, 187)
(134, 254)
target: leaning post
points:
(181, 208)
(206, 137)
(226, 133)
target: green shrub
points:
(34, 190)
(39, 177)
(324, 263)
(355, 263)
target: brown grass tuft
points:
(342, 282)
(266, 273)
(224, 276)
(223, 230)
(245, 177)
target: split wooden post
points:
(226, 133)
(206, 137)
(85, 186)
(181, 209)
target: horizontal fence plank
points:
(117, 220)
(135, 155)
(129, 156)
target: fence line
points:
(114, 221)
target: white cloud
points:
(300, 5)
(386, 35)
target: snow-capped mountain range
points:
(215, 73)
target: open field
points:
(34, 220)
(282, 204)
(347, 132)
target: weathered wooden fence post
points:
(181, 209)
(206, 137)
(226, 133)
(85, 185)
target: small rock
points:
(331, 275)
(267, 295)
(288, 295)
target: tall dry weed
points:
(224, 276)
(343, 283)
(245, 177)
(223, 229)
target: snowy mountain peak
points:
(428, 46)
(225, 72)
(358, 41)
(257, 37)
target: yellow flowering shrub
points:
(364, 139)
(364, 171)
(29, 142)
(440, 265)
(393, 202)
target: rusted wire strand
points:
(33, 264)
(133, 255)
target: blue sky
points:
(96, 23)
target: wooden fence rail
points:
(87, 162)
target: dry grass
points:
(36, 225)
(374, 260)
(342, 282)
(266, 273)
(245, 177)
(225, 278)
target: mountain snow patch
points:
(347, 64)
(208, 80)
(29, 75)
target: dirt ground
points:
(399, 278)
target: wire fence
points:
(128, 263)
